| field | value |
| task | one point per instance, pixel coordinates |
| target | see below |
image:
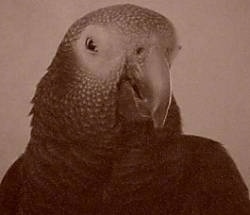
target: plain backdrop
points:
(210, 75)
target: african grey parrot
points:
(106, 131)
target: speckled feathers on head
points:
(128, 19)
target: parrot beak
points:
(154, 85)
(150, 85)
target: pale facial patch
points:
(108, 55)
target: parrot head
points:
(112, 64)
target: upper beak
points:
(152, 86)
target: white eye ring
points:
(90, 45)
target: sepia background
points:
(210, 75)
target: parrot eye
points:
(90, 45)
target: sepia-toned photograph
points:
(127, 107)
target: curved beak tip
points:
(159, 116)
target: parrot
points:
(106, 130)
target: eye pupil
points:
(90, 45)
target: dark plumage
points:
(106, 136)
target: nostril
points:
(139, 50)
